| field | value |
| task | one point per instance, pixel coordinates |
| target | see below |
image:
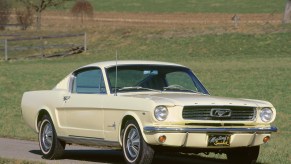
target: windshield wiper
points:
(177, 88)
(135, 88)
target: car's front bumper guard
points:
(153, 129)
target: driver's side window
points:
(88, 81)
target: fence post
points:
(42, 46)
(85, 42)
(6, 49)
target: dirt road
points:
(61, 20)
(29, 150)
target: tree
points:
(24, 17)
(39, 6)
(82, 8)
(287, 13)
(5, 11)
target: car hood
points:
(185, 99)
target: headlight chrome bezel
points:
(266, 114)
(161, 113)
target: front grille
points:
(204, 113)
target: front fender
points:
(141, 117)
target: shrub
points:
(82, 8)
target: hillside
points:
(251, 60)
(185, 6)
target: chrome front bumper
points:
(258, 130)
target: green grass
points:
(253, 66)
(189, 6)
(15, 161)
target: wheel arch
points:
(130, 116)
(42, 112)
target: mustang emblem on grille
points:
(220, 113)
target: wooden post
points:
(85, 42)
(6, 49)
(287, 13)
(42, 47)
(235, 20)
(38, 20)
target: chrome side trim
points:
(153, 129)
(89, 141)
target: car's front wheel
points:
(50, 146)
(135, 149)
(247, 155)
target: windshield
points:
(132, 78)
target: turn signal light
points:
(266, 139)
(162, 139)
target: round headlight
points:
(161, 113)
(266, 114)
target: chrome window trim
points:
(71, 83)
(73, 78)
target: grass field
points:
(14, 161)
(254, 66)
(189, 6)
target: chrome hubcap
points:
(47, 136)
(133, 143)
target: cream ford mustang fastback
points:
(143, 107)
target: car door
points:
(83, 106)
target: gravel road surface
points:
(29, 150)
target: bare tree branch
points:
(40, 5)
(5, 11)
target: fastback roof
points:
(130, 62)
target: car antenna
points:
(115, 94)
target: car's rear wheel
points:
(135, 149)
(247, 155)
(50, 146)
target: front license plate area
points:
(218, 140)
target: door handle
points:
(66, 98)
